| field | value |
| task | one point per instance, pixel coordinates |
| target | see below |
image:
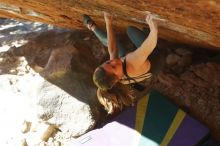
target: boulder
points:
(193, 22)
(43, 101)
(72, 114)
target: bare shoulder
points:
(133, 70)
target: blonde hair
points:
(116, 99)
(103, 79)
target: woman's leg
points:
(90, 24)
(136, 35)
(102, 35)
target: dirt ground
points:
(191, 77)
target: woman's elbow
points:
(152, 45)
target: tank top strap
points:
(129, 79)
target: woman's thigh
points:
(136, 35)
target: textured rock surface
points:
(43, 101)
(192, 82)
(68, 101)
(196, 22)
(14, 108)
(55, 106)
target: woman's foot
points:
(88, 22)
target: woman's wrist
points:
(154, 30)
(108, 22)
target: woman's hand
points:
(108, 17)
(151, 22)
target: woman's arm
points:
(137, 58)
(112, 47)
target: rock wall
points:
(193, 22)
(191, 80)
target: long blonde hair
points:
(103, 79)
(116, 98)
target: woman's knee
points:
(132, 29)
(136, 35)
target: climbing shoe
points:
(88, 22)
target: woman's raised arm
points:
(112, 47)
(137, 58)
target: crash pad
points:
(153, 121)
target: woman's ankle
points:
(93, 28)
(88, 22)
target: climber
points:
(127, 70)
(121, 67)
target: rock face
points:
(67, 99)
(191, 80)
(46, 102)
(43, 109)
(193, 22)
(72, 116)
